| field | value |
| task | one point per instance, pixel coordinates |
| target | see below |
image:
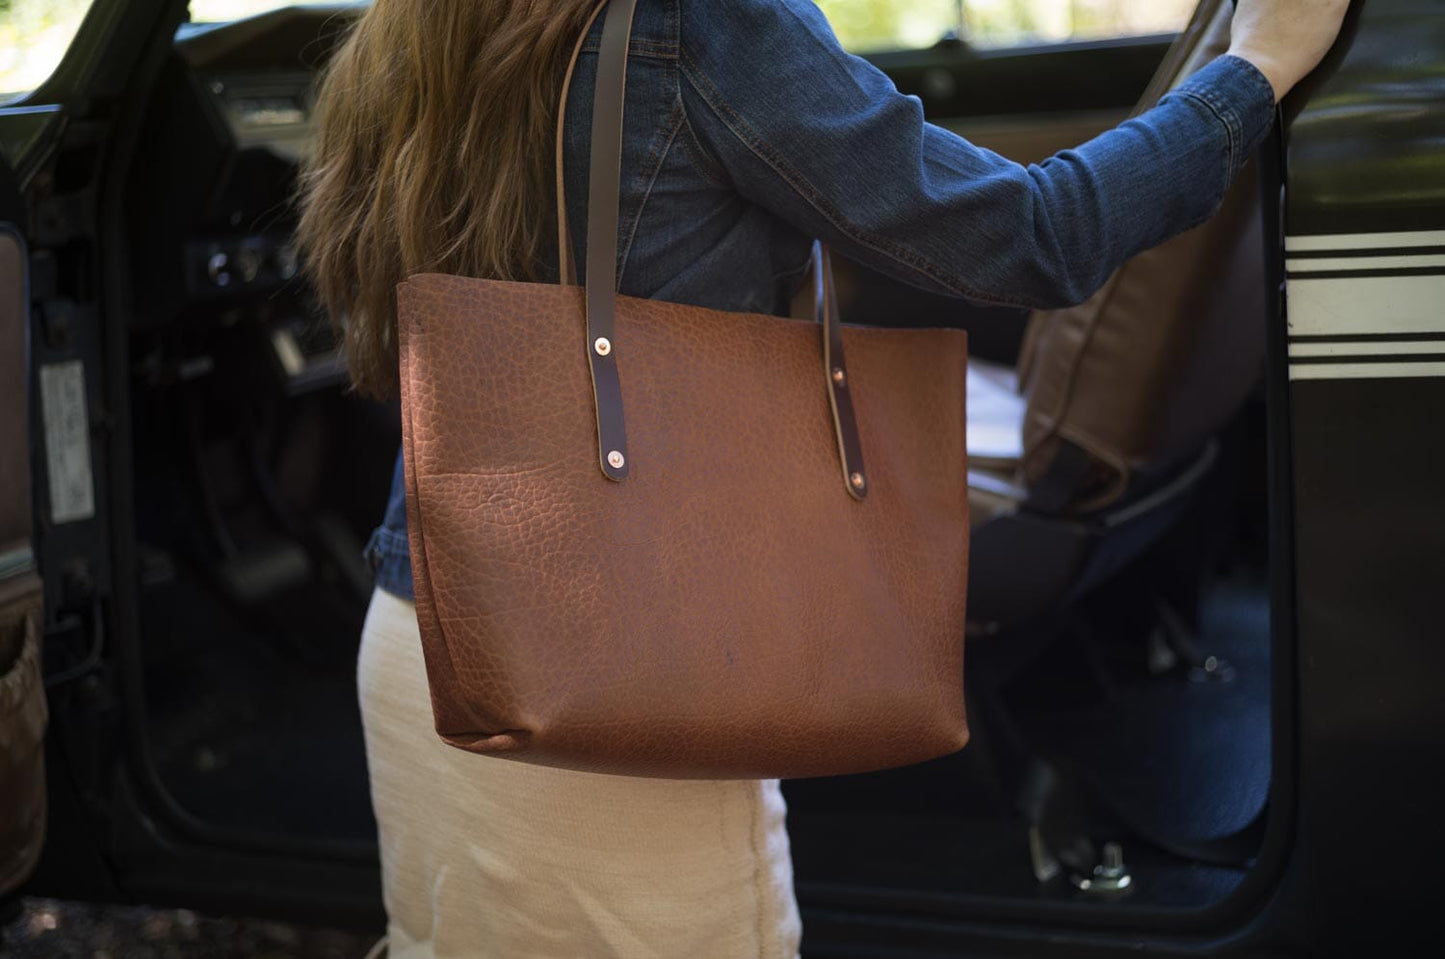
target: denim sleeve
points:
(824, 141)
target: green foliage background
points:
(875, 24)
(33, 37)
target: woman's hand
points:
(1285, 39)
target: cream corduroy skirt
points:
(496, 859)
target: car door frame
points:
(117, 833)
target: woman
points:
(749, 131)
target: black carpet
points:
(253, 717)
(1176, 759)
(1182, 759)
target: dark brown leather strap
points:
(566, 267)
(604, 189)
(603, 213)
(840, 398)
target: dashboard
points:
(211, 200)
(231, 121)
(260, 72)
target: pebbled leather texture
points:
(727, 612)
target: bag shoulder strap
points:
(603, 197)
(566, 268)
(603, 211)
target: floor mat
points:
(1182, 760)
(1179, 759)
(254, 722)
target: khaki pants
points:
(497, 859)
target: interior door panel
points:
(22, 695)
(1030, 139)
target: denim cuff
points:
(389, 558)
(1238, 94)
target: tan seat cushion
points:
(1157, 361)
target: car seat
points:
(1086, 455)
(1090, 452)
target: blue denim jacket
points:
(749, 131)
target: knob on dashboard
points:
(218, 269)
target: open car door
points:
(68, 442)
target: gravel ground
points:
(51, 929)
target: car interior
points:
(1120, 637)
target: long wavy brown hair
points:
(434, 152)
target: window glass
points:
(865, 25)
(891, 24)
(34, 35)
(212, 11)
(993, 23)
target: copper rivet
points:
(838, 376)
(857, 480)
(603, 346)
(615, 459)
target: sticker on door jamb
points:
(67, 441)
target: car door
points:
(29, 129)
(72, 137)
(1363, 285)
(53, 516)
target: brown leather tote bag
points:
(644, 537)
